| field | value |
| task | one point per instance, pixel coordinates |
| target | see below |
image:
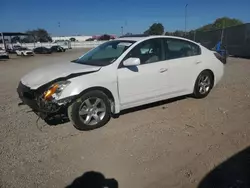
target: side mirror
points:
(132, 61)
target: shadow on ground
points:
(62, 118)
(56, 120)
(93, 180)
(233, 173)
(151, 105)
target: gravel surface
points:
(169, 144)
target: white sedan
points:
(121, 74)
(24, 52)
(3, 54)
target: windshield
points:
(105, 54)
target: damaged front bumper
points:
(41, 107)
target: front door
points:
(146, 82)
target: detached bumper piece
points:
(37, 104)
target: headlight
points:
(55, 90)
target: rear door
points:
(184, 61)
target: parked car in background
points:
(42, 50)
(121, 74)
(90, 39)
(3, 54)
(12, 50)
(106, 37)
(24, 52)
(57, 48)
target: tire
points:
(22, 54)
(79, 121)
(201, 90)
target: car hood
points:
(44, 75)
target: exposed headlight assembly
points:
(55, 90)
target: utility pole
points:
(122, 30)
(59, 25)
(186, 18)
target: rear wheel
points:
(203, 84)
(92, 110)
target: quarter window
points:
(177, 48)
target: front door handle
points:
(198, 62)
(163, 70)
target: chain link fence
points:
(236, 39)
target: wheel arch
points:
(207, 70)
(105, 91)
(212, 74)
(195, 93)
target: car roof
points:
(136, 39)
(130, 38)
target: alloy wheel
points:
(92, 111)
(204, 84)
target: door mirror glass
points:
(132, 61)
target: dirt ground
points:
(175, 143)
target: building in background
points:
(71, 38)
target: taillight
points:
(220, 57)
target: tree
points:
(15, 39)
(207, 27)
(221, 23)
(39, 35)
(72, 39)
(179, 33)
(169, 33)
(155, 29)
(226, 22)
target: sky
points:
(94, 17)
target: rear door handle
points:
(163, 70)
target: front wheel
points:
(203, 84)
(91, 111)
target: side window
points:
(149, 51)
(177, 48)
